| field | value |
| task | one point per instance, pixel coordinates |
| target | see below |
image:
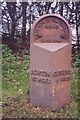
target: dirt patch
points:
(20, 107)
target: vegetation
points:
(15, 72)
(76, 67)
(17, 19)
(15, 89)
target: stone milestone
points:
(50, 62)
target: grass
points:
(15, 86)
(15, 73)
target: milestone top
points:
(51, 28)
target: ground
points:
(15, 91)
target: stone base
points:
(50, 73)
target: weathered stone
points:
(50, 62)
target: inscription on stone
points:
(40, 76)
(46, 29)
(45, 77)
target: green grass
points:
(15, 81)
(0, 70)
(15, 73)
